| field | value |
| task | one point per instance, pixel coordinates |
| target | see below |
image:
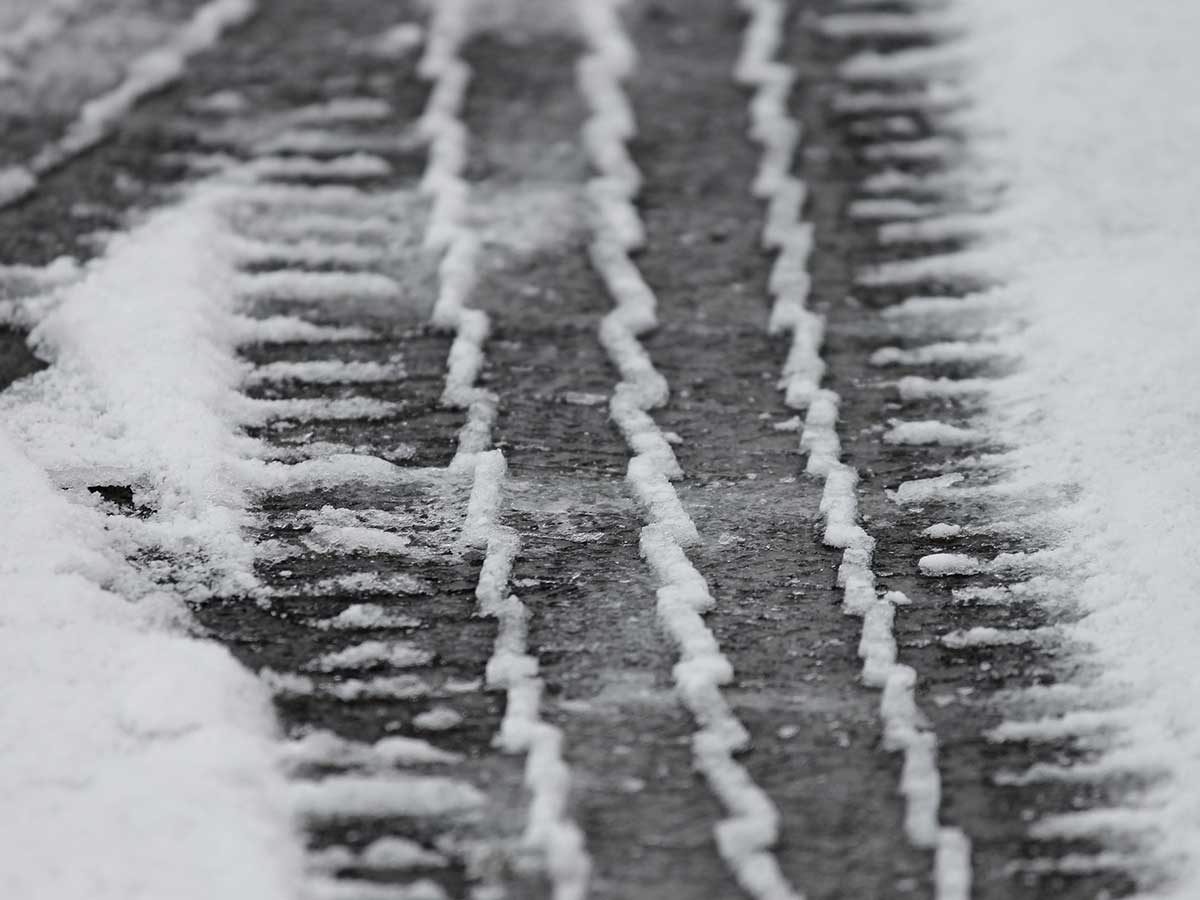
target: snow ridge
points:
(778, 134)
(744, 838)
(148, 73)
(448, 233)
(549, 828)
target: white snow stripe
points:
(307, 252)
(920, 780)
(951, 227)
(333, 371)
(350, 167)
(549, 828)
(1082, 723)
(341, 110)
(324, 200)
(447, 231)
(943, 353)
(317, 229)
(322, 142)
(385, 853)
(397, 654)
(916, 387)
(147, 74)
(304, 286)
(932, 149)
(324, 748)
(915, 65)
(887, 25)
(931, 99)
(930, 432)
(383, 687)
(362, 889)
(745, 836)
(513, 669)
(315, 409)
(968, 265)
(890, 209)
(383, 796)
(289, 329)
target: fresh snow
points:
(143, 390)
(110, 710)
(1090, 108)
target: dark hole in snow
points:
(16, 359)
(118, 494)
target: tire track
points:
(745, 838)
(900, 205)
(905, 729)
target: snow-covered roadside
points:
(1090, 110)
(143, 390)
(135, 761)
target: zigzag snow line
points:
(549, 829)
(745, 837)
(778, 133)
(148, 73)
(448, 234)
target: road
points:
(833, 799)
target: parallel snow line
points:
(147, 74)
(744, 839)
(549, 829)
(354, 166)
(448, 233)
(773, 128)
